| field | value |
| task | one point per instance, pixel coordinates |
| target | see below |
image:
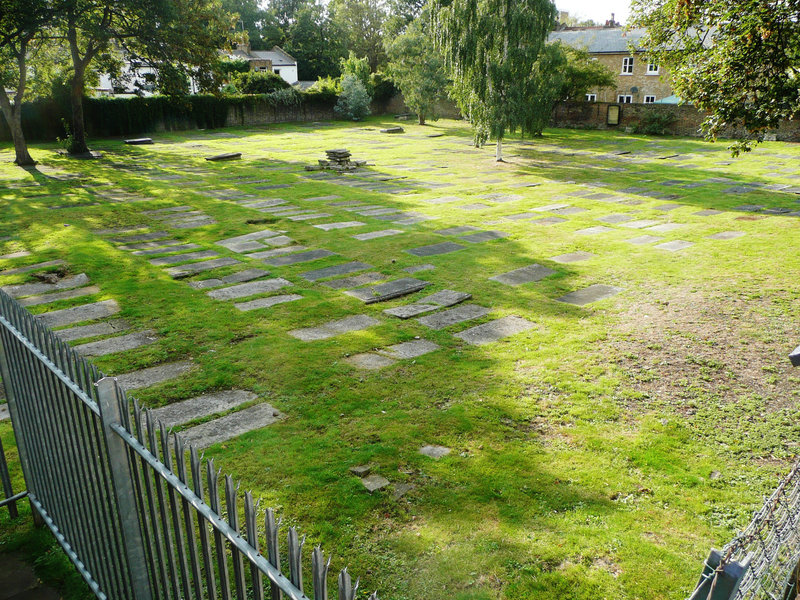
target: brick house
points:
(637, 80)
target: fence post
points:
(111, 412)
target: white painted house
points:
(276, 60)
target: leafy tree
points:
(494, 51)
(738, 60)
(316, 42)
(418, 70)
(361, 23)
(261, 26)
(21, 23)
(354, 100)
(581, 73)
(357, 67)
(568, 20)
(258, 82)
(285, 11)
(401, 14)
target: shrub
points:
(354, 100)
(258, 82)
(383, 87)
(656, 122)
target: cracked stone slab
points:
(572, 257)
(238, 277)
(456, 230)
(56, 296)
(267, 302)
(179, 258)
(334, 328)
(726, 235)
(436, 249)
(459, 314)
(201, 406)
(411, 349)
(86, 331)
(120, 343)
(151, 376)
(30, 289)
(298, 257)
(590, 294)
(675, 245)
(77, 314)
(34, 267)
(377, 234)
(434, 452)
(370, 361)
(495, 330)
(243, 290)
(529, 274)
(232, 425)
(343, 269)
(339, 225)
(195, 268)
(388, 290)
(355, 281)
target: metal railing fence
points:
(141, 515)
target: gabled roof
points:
(278, 56)
(600, 40)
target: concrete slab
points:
(201, 406)
(334, 328)
(343, 269)
(238, 277)
(459, 314)
(243, 290)
(389, 290)
(86, 331)
(267, 302)
(436, 249)
(495, 330)
(572, 257)
(529, 274)
(370, 361)
(179, 258)
(30, 289)
(117, 344)
(298, 257)
(151, 376)
(33, 267)
(355, 281)
(411, 349)
(377, 234)
(232, 425)
(77, 314)
(593, 293)
(644, 239)
(339, 225)
(597, 229)
(195, 268)
(484, 236)
(674, 245)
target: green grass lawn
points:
(599, 454)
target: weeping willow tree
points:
(505, 77)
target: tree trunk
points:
(78, 143)
(421, 117)
(22, 156)
(499, 153)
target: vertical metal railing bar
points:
(208, 565)
(250, 520)
(233, 521)
(294, 554)
(8, 489)
(273, 549)
(219, 544)
(188, 520)
(177, 526)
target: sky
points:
(597, 11)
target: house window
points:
(649, 99)
(591, 97)
(624, 98)
(627, 65)
(276, 71)
(652, 68)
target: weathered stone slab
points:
(86, 331)
(521, 216)
(549, 207)
(442, 200)
(239, 277)
(374, 212)
(615, 218)
(570, 210)
(267, 302)
(321, 198)
(166, 212)
(248, 237)
(572, 257)
(179, 258)
(665, 227)
(593, 293)
(195, 268)
(531, 273)
(640, 224)
(494, 330)
(389, 290)
(373, 483)
(12, 255)
(225, 156)
(436, 249)
(418, 268)
(298, 257)
(377, 234)
(159, 246)
(77, 314)
(446, 298)
(726, 235)
(343, 269)
(166, 249)
(355, 281)
(276, 252)
(201, 406)
(151, 376)
(370, 361)
(139, 141)
(34, 267)
(674, 245)
(339, 225)
(56, 296)
(668, 207)
(456, 230)
(474, 206)
(310, 216)
(434, 452)
(334, 328)
(231, 426)
(459, 314)
(411, 310)
(142, 237)
(243, 290)
(30, 289)
(117, 344)
(191, 224)
(644, 239)
(484, 236)
(597, 229)
(410, 349)
(709, 212)
(548, 221)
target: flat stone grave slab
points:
(389, 290)
(370, 361)
(153, 375)
(665, 227)
(494, 330)
(474, 206)
(550, 207)
(640, 224)
(615, 218)
(334, 328)
(274, 186)
(142, 237)
(12, 255)
(709, 212)
(484, 236)
(374, 212)
(355, 281)
(436, 249)
(674, 245)
(572, 257)
(668, 207)
(160, 245)
(277, 252)
(310, 216)
(343, 269)
(339, 225)
(603, 197)
(529, 274)
(644, 239)
(373, 483)
(418, 268)
(166, 249)
(195, 268)
(594, 230)
(247, 237)
(549, 221)
(30, 289)
(34, 267)
(593, 293)
(570, 210)
(442, 200)
(430, 303)
(410, 349)
(201, 406)
(179, 258)
(77, 314)
(372, 235)
(321, 198)
(521, 216)
(267, 302)
(86, 331)
(434, 452)
(726, 235)
(456, 230)
(298, 257)
(231, 426)
(459, 314)
(117, 344)
(239, 277)
(243, 290)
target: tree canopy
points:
(739, 60)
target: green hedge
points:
(107, 117)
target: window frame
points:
(652, 101)
(627, 65)
(591, 97)
(651, 71)
(621, 99)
